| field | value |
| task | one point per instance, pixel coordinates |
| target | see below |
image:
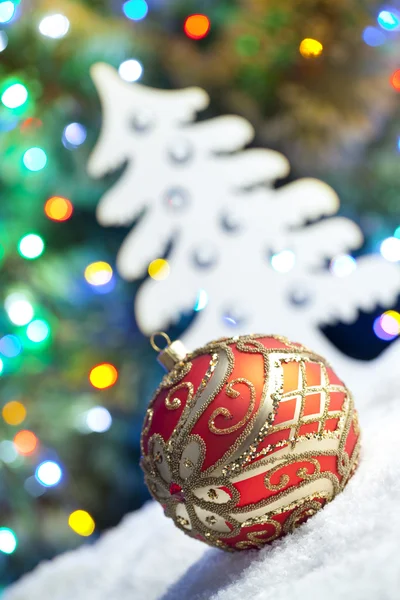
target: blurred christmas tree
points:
(317, 79)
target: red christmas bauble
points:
(248, 437)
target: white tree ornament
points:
(246, 256)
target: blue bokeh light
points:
(135, 9)
(389, 20)
(372, 36)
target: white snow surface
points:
(348, 550)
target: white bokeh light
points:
(342, 265)
(8, 540)
(130, 70)
(390, 249)
(48, 473)
(54, 26)
(19, 309)
(283, 261)
(98, 419)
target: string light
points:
(14, 412)
(389, 20)
(10, 346)
(197, 27)
(31, 246)
(395, 80)
(58, 208)
(15, 95)
(135, 9)
(25, 442)
(35, 159)
(38, 331)
(390, 249)
(159, 269)
(48, 473)
(130, 70)
(103, 376)
(202, 301)
(373, 36)
(74, 135)
(54, 26)
(98, 273)
(81, 522)
(19, 309)
(7, 10)
(283, 261)
(8, 540)
(342, 265)
(98, 419)
(310, 48)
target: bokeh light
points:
(38, 331)
(342, 265)
(390, 249)
(395, 80)
(387, 326)
(389, 20)
(283, 261)
(81, 522)
(74, 135)
(135, 9)
(1, 366)
(10, 346)
(197, 27)
(310, 48)
(130, 70)
(7, 10)
(14, 412)
(98, 273)
(98, 419)
(201, 301)
(8, 540)
(14, 96)
(103, 376)
(19, 309)
(3, 41)
(159, 269)
(373, 36)
(8, 452)
(35, 159)
(48, 473)
(58, 208)
(31, 246)
(54, 26)
(397, 232)
(25, 442)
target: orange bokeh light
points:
(58, 208)
(395, 80)
(25, 441)
(103, 376)
(197, 26)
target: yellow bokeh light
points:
(81, 522)
(159, 269)
(103, 376)
(310, 48)
(98, 273)
(14, 412)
